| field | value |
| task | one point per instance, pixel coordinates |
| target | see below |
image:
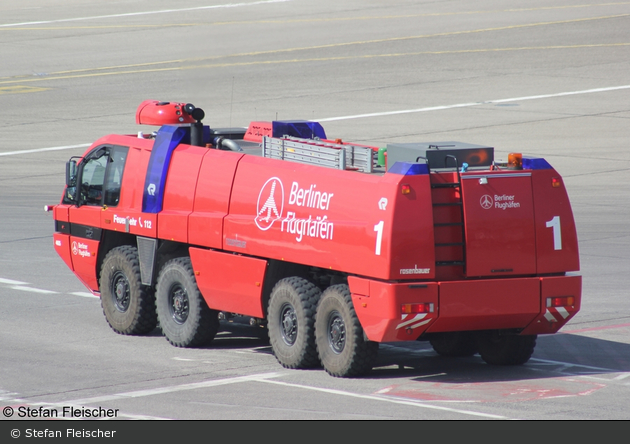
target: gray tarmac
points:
(545, 78)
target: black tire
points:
(502, 349)
(184, 316)
(291, 322)
(458, 344)
(128, 306)
(343, 349)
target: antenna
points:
(231, 102)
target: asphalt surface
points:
(545, 78)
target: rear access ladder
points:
(448, 219)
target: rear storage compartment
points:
(499, 220)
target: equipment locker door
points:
(499, 221)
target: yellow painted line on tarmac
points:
(406, 16)
(59, 76)
(403, 54)
(20, 89)
(135, 26)
(19, 26)
(141, 13)
(133, 68)
(443, 34)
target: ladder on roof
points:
(318, 152)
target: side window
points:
(100, 176)
(93, 179)
(113, 181)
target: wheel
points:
(184, 316)
(502, 349)
(343, 350)
(291, 322)
(128, 306)
(454, 343)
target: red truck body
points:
(475, 256)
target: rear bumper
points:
(490, 304)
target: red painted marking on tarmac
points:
(605, 327)
(496, 391)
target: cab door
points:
(97, 186)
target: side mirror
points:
(71, 173)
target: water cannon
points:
(154, 112)
(196, 128)
(195, 113)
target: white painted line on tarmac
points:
(39, 150)
(465, 105)
(174, 388)
(571, 364)
(33, 290)
(385, 399)
(84, 294)
(133, 14)
(66, 414)
(23, 286)
(264, 377)
(389, 113)
(12, 282)
(621, 376)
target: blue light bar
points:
(298, 128)
(535, 163)
(409, 169)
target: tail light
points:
(561, 301)
(426, 307)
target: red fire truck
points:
(335, 247)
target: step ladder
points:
(448, 222)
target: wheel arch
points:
(152, 253)
(109, 241)
(278, 270)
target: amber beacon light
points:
(515, 161)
